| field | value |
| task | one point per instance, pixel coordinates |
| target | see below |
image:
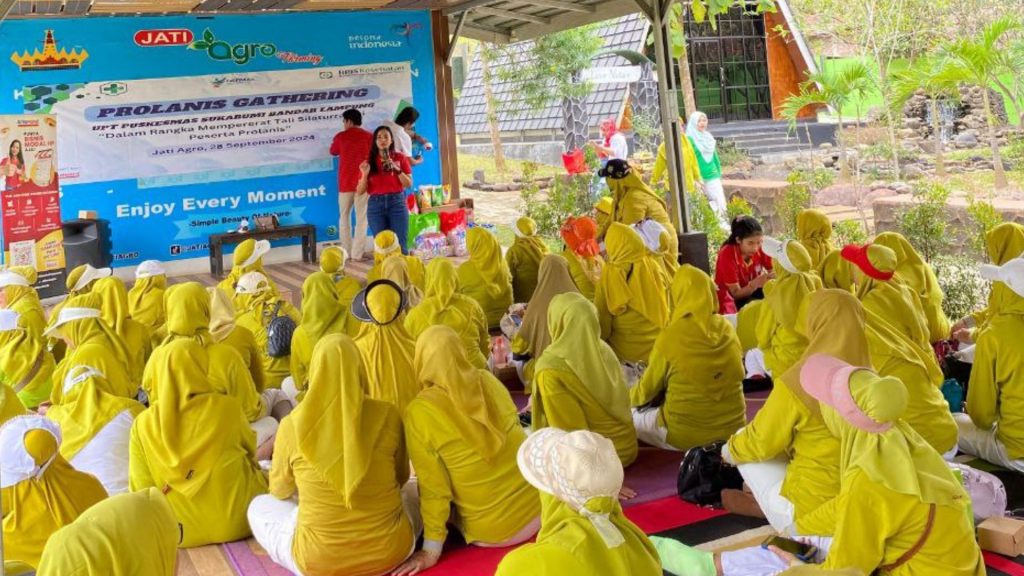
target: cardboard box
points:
(88, 215)
(452, 206)
(1002, 535)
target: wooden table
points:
(217, 241)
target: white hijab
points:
(703, 139)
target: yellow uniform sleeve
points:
(520, 346)
(282, 476)
(690, 166)
(299, 358)
(292, 312)
(660, 170)
(560, 409)
(603, 315)
(479, 319)
(139, 476)
(983, 391)
(770, 433)
(432, 477)
(632, 209)
(654, 380)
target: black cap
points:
(362, 312)
(615, 169)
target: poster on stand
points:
(30, 196)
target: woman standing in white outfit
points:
(709, 163)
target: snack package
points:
(437, 196)
(452, 220)
(420, 223)
(424, 195)
(431, 245)
(457, 242)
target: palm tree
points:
(980, 61)
(832, 88)
(931, 76)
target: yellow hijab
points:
(243, 252)
(125, 535)
(388, 350)
(553, 278)
(910, 268)
(29, 273)
(836, 326)
(814, 231)
(788, 294)
(332, 260)
(385, 245)
(10, 405)
(94, 330)
(146, 300)
(222, 314)
(441, 365)
(335, 427)
(19, 353)
(397, 270)
(113, 303)
(576, 348)
(24, 295)
(836, 272)
(177, 433)
(621, 186)
(485, 256)
(188, 313)
(527, 240)
(442, 286)
(898, 458)
(890, 299)
(631, 279)
(1004, 242)
(321, 312)
(86, 407)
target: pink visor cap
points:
(827, 380)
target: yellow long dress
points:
(1003, 243)
(386, 246)
(463, 435)
(814, 232)
(322, 315)
(523, 258)
(27, 366)
(912, 270)
(254, 314)
(146, 301)
(209, 473)
(633, 201)
(780, 327)
(583, 254)
(691, 170)
(95, 344)
(443, 305)
(332, 261)
(224, 330)
(485, 277)
(344, 456)
(387, 351)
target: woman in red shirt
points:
(385, 176)
(13, 166)
(743, 268)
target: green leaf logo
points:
(199, 45)
(208, 36)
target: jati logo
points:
(174, 37)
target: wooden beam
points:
(603, 11)
(455, 37)
(566, 5)
(487, 33)
(447, 145)
(468, 5)
(512, 15)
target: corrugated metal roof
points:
(628, 32)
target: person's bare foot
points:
(742, 503)
(626, 493)
(266, 450)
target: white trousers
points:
(754, 364)
(715, 192)
(105, 456)
(648, 429)
(273, 524)
(765, 482)
(984, 444)
(757, 561)
(354, 245)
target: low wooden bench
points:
(217, 241)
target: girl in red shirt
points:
(743, 268)
(385, 176)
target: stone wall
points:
(888, 210)
(762, 195)
(969, 124)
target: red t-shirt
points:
(352, 147)
(731, 269)
(383, 182)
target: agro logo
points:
(238, 53)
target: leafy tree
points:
(833, 88)
(924, 223)
(980, 61)
(932, 76)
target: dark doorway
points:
(729, 66)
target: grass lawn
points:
(469, 163)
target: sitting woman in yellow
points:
(485, 277)
(900, 510)
(79, 282)
(583, 254)
(836, 272)
(633, 201)
(146, 298)
(397, 270)
(40, 492)
(533, 337)
(95, 426)
(583, 529)
(10, 405)
(780, 327)
(386, 246)
(114, 311)
(1003, 243)
(993, 428)
(332, 262)
(342, 457)
(603, 214)
(786, 454)
(26, 366)
(463, 434)
(322, 315)
(578, 381)
(17, 293)
(188, 318)
(196, 446)
(814, 232)
(247, 257)
(884, 294)
(697, 367)
(523, 258)
(912, 270)
(258, 304)
(224, 330)
(387, 349)
(90, 342)
(444, 306)
(126, 535)
(631, 300)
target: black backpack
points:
(279, 334)
(703, 476)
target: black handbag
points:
(279, 334)
(703, 475)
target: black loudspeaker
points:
(693, 250)
(87, 242)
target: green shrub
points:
(738, 206)
(965, 291)
(984, 217)
(703, 219)
(1014, 152)
(729, 154)
(566, 197)
(924, 223)
(849, 232)
(795, 200)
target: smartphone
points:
(803, 552)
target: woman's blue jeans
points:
(389, 212)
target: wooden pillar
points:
(447, 141)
